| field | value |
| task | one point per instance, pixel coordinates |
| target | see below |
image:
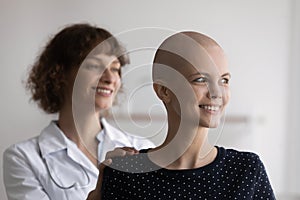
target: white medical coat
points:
(50, 166)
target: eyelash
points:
(200, 80)
(224, 81)
(116, 69)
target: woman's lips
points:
(210, 107)
(103, 91)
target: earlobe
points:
(162, 92)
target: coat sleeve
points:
(20, 180)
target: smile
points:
(105, 91)
(210, 107)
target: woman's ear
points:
(162, 92)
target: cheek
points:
(84, 79)
(226, 96)
(118, 85)
(200, 92)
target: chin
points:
(100, 107)
(213, 126)
(209, 124)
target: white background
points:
(260, 37)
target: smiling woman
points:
(62, 162)
(191, 78)
(98, 79)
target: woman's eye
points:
(200, 80)
(94, 67)
(116, 69)
(225, 81)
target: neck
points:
(82, 130)
(198, 154)
(186, 147)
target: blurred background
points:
(260, 38)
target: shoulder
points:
(234, 154)
(31, 145)
(125, 138)
(245, 164)
(248, 169)
(241, 159)
(238, 154)
(20, 157)
(23, 147)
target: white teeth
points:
(212, 108)
(103, 91)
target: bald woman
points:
(191, 77)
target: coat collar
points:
(52, 139)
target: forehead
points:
(188, 53)
(102, 59)
(210, 60)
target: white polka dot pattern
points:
(232, 175)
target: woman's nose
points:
(108, 77)
(214, 91)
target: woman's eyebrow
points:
(200, 73)
(226, 74)
(94, 58)
(100, 60)
(208, 75)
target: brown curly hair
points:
(66, 51)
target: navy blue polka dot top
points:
(232, 175)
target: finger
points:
(130, 150)
(118, 152)
(106, 162)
